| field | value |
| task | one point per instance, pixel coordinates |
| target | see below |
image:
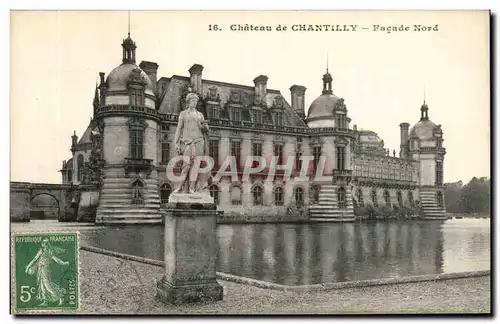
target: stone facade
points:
(137, 115)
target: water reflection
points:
(315, 253)
(294, 254)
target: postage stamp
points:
(45, 266)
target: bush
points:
(386, 211)
(24, 218)
(361, 211)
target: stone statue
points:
(191, 141)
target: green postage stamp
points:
(45, 271)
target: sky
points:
(56, 58)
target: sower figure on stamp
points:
(191, 141)
(47, 290)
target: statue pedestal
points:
(190, 251)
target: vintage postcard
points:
(250, 162)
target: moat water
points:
(302, 254)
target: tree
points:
(475, 197)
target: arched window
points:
(214, 192)
(79, 167)
(236, 195)
(299, 196)
(400, 198)
(374, 197)
(439, 198)
(165, 191)
(137, 196)
(387, 197)
(278, 196)
(410, 198)
(258, 197)
(314, 194)
(341, 198)
(360, 197)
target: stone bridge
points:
(22, 194)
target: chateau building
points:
(123, 156)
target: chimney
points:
(151, 69)
(260, 87)
(404, 139)
(195, 72)
(298, 98)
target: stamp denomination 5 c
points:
(45, 267)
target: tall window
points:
(439, 173)
(136, 97)
(278, 196)
(257, 116)
(235, 114)
(213, 150)
(400, 198)
(79, 166)
(387, 197)
(258, 196)
(236, 195)
(236, 151)
(299, 196)
(165, 191)
(315, 194)
(214, 193)
(340, 157)
(136, 143)
(257, 149)
(439, 198)
(70, 176)
(316, 155)
(165, 152)
(278, 153)
(341, 198)
(373, 196)
(360, 197)
(410, 198)
(137, 196)
(298, 155)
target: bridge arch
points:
(48, 194)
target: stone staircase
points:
(428, 201)
(327, 208)
(116, 207)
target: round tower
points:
(126, 111)
(425, 144)
(331, 141)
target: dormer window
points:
(257, 116)
(136, 97)
(278, 118)
(235, 114)
(213, 112)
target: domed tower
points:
(331, 140)
(425, 145)
(129, 120)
